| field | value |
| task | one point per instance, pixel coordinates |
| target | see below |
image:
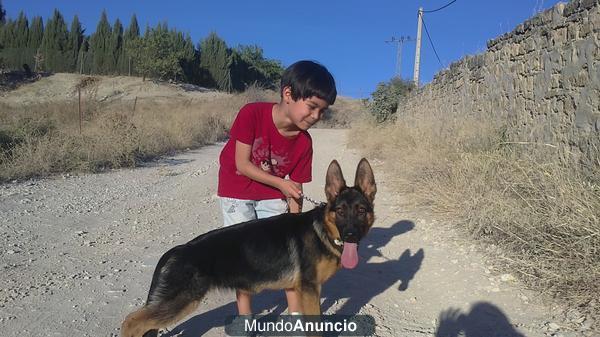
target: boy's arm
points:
(295, 205)
(243, 153)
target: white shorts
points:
(239, 210)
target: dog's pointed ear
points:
(334, 182)
(365, 180)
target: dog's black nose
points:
(350, 235)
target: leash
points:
(337, 242)
(313, 201)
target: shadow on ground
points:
(484, 319)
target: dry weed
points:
(542, 211)
(45, 139)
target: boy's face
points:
(304, 113)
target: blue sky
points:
(348, 36)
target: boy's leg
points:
(294, 301)
(236, 211)
(269, 208)
(244, 303)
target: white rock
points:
(507, 278)
(553, 327)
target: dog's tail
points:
(173, 295)
(147, 320)
(139, 323)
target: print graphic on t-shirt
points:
(267, 159)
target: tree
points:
(19, 53)
(187, 55)
(115, 48)
(160, 53)
(54, 43)
(2, 22)
(99, 46)
(7, 34)
(34, 41)
(385, 99)
(76, 36)
(13, 40)
(36, 33)
(133, 31)
(21, 31)
(215, 58)
(250, 66)
(130, 39)
(85, 56)
(2, 14)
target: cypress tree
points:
(19, 53)
(36, 33)
(2, 21)
(215, 58)
(34, 41)
(74, 44)
(99, 45)
(130, 39)
(133, 31)
(8, 34)
(189, 58)
(85, 59)
(54, 43)
(116, 47)
(21, 31)
(7, 40)
(2, 14)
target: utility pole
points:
(418, 49)
(400, 42)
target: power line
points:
(431, 42)
(439, 9)
(400, 42)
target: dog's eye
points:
(362, 210)
(339, 211)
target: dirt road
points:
(78, 253)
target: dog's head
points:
(349, 214)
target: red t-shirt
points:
(274, 153)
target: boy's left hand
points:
(291, 189)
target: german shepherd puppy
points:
(299, 251)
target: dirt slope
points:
(63, 86)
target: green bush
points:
(384, 101)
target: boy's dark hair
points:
(307, 79)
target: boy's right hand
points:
(290, 189)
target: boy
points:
(269, 142)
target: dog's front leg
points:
(311, 299)
(311, 304)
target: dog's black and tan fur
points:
(287, 251)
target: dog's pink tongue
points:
(350, 255)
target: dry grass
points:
(343, 113)
(41, 140)
(44, 139)
(543, 213)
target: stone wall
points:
(543, 77)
